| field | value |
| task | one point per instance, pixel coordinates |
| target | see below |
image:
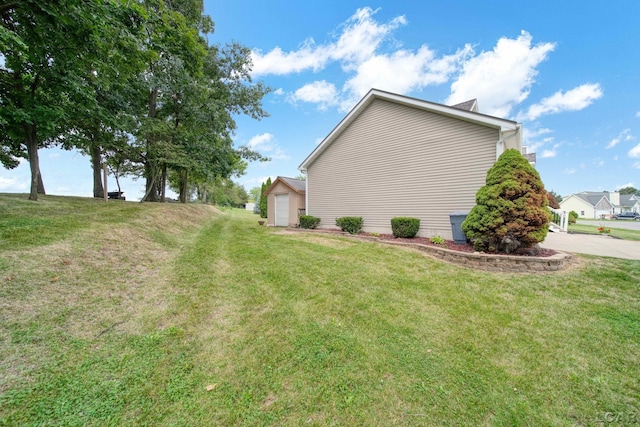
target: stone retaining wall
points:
(479, 260)
(490, 262)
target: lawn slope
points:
(210, 319)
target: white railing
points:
(560, 219)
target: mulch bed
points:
(448, 244)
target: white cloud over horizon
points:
(575, 99)
(625, 135)
(635, 151)
(501, 78)
(266, 145)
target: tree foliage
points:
(52, 51)
(553, 200)
(511, 209)
(629, 190)
(132, 84)
(263, 198)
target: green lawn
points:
(148, 314)
(593, 228)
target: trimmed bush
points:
(405, 227)
(350, 224)
(511, 209)
(573, 217)
(308, 221)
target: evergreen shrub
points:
(405, 227)
(511, 209)
(308, 221)
(350, 224)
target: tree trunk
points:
(40, 182)
(150, 169)
(163, 183)
(183, 186)
(34, 163)
(151, 188)
(96, 163)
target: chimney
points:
(614, 198)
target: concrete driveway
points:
(593, 245)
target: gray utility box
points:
(457, 218)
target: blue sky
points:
(568, 71)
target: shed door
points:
(282, 210)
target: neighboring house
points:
(285, 201)
(633, 203)
(588, 204)
(394, 155)
(625, 202)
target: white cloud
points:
(278, 91)
(266, 145)
(569, 171)
(573, 100)
(502, 77)
(7, 183)
(638, 114)
(550, 152)
(260, 141)
(628, 184)
(357, 50)
(535, 132)
(404, 71)
(636, 165)
(360, 38)
(321, 92)
(625, 135)
(635, 151)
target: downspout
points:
(306, 192)
(499, 146)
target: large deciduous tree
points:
(132, 84)
(511, 209)
(50, 50)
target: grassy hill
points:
(165, 314)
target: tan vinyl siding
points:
(395, 160)
(296, 201)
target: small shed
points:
(286, 201)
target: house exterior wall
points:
(394, 160)
(296, 201)
(585, 209)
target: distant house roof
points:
(471, 105)
(628, 200)
(593, 197)
(297, 185)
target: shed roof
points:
(297, 185)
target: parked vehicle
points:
(627, 215)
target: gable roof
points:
(373, 94)
(628, 200)
(471, 105)
(592, 197)
(297, 185)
